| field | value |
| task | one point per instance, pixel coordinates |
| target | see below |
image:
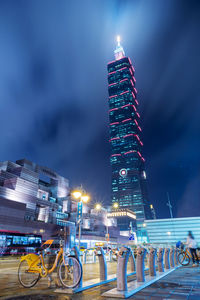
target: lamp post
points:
(98, 207)
(82, 198)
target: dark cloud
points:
(53, 89)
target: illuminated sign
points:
(80, 210)
(48, 172)
(131, 215)
(144, 175)
(99, 244)
(121, 214)
(123, 172)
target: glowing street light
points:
(98, 206)
(85, 198)
(115, 205)
(77, 194)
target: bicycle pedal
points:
(57, 283)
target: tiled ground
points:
(183, 283)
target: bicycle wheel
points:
(184, 259)
(70, 272)
(27, 279)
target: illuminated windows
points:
(125, 137)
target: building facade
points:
(127, 162)
(97, 227)
(126, 219)
(33, 199)
(36, 200)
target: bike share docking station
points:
(124, 289)
(103, 275)
(167, 262)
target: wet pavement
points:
(183, 283)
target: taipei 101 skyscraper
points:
(127, 161)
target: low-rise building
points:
(33, 199)
(170, 231)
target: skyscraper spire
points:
(119, 51)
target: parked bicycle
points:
(32, 267)
(184, 257)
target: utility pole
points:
(170, 206)
(153, 211)
(81, 196)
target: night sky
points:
(54, 98)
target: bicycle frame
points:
(49, 271)
(186, 251)
(33, 260)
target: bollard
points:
(132, 261)
(152, 261)
(122, 261)
(171, 257)
(160, 260)
(141, 253)
(166, 259)
(176, 257)
(110, 256)
(81, 258)
(146, 259)
(76, 269)
(85, 257)
(102, 263)
(94, 257)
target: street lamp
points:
(98, 206)
(76, 194)
(115, 205)
(83, 198)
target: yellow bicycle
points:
(184, 257)
(32, 267)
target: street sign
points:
(107, 237)
(131, 237)
(79, 210)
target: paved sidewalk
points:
(183, 283)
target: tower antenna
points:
(119, 51)
(170, 206)
(118, 40)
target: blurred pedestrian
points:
(192, 245)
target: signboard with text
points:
(131, 237)
(107, 236)
(79, 210)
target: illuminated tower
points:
(127, 162)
